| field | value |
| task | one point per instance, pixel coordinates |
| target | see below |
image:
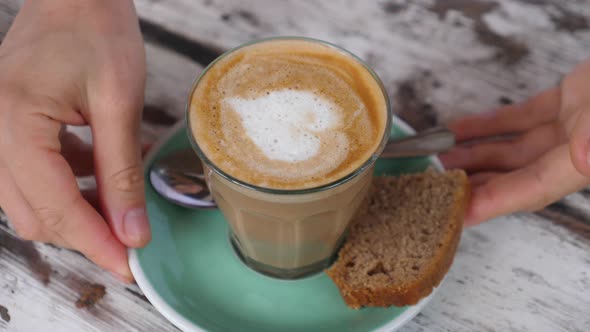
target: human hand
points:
(547, 157)
(74, 62)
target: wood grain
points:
(47, 301)
(438, 60)
(464, 58)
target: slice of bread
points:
(403, 240)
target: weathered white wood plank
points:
(457, 42)
(40, 284)
(438, 60)
(518, 273)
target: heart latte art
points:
(283, 124)
(288, 114)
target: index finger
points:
(527, 189)
(49, 186)
(510, 119)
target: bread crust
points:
(410, 294)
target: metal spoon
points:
(179, 176)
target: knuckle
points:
(129, 179)
(540, 176)
(26, 121)
(542, 195)
(488, 193)
(102, 240)
(50, 218)
(93, 249)
(119, 92)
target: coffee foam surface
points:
(288, 114)
(283, 124)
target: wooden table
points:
(439, 60)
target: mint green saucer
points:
(191, 274)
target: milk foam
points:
(288, 114)
(284, 124)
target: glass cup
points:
(289, 233)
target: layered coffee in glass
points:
(288, 130)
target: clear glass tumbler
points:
(289, 233)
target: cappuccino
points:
(288, 114)
(288, 130)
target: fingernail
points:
(136, 226)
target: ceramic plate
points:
(191, 274)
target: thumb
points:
(119, 174)
(580, 144)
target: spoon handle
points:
(428, 142)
